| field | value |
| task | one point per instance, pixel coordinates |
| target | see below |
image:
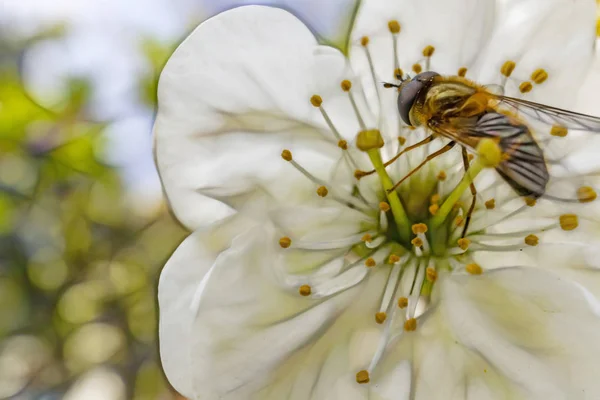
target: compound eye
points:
(407, 96)
(425, 76)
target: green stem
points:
(398, 212)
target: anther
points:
(532, 240)
(435, 198)
(364, 41)
(530, 201)
(304, 290)
(525, 87)
(316, 100)
(464, 243)
(417, 68)
(474, 269)
(370, 262)
(490, 204)
(539, 76)
(394, 26)
(393, 258)
(401, 140)
(441, 176)
(322, 191)
(462, 71)
(384, 206)
(359, 174)
(380, 317)
(431, 274)
(428, 51)
(346, 85)
(285, 242)
(286, 155)
(489, 152)
(569, 222)
(559, 131)
(586, 194)
(434, 208)
(417, 242)
(342, 144)
(419, 228)
(459, 221)
(362, 377)
(402, 302)
(410, 325)
(398, 73)
(507, 68)
(367, 238)
(368, 140)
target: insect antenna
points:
(388, 85)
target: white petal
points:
(231, 98)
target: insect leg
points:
(427, 159)
(428, 139)
(465, 158)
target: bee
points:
(465, 113)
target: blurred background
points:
(84, 230)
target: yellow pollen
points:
(417, 242)
(401, 140)
(586, 194)
(490, 204)
(459, 221)
(322, 191)
(433, 209)
(428, 51)
(304, 290)
(362, 377)
(507, 68)
(393, 259)
(462, 71)
(384, 206)
(398, 73)
(419, 228)
(369, 262)
(342, 144)
(568, 222)
(532, 240)
(410, 325)
(367, 238)
(394, 26)
(435, 199)
(285, 242)
(474, 269)
(359, 174)
(431, 274)
(489, 152)
(539, 76)
(402, 302)
(368, 140)
(380, 317)
(316, 100)
(559, 131)
(530, 201)
(364, 41)
(525, 87)
(441, 176)
(417, 68)
(346, 85)
(464, 243)
(286, 155)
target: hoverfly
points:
(465, 113)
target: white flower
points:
(303, 282)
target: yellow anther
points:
(384, 206)
(402, 302)
(392, 259)
(532, 240)
(474, 269)
(380, 317)
(364, 41)
(285, 242)
(431, 274)
(304, 290)
(464, 243)
(525, 87)
(459, 221)
(433, 209)
(370, 262)
(363, 377)
(490, 204)
(568, 222)
(428, 51)
(286, 155)
(530, 201)
(398, 73)
(359, 174)
(401, 140)
(507, 68)
(539, 76)
(559, 131)
(586, 194)
(394, 26)
(419, 228)
(410, 325)
(346, 85)
(417, 242)
(462, 71)
(322, 191)
(342, 144)
(368, 140)
(470, 157)
(367, 238)
(489, 152)
(316, 100)
(417, 68)
(435, 198)
(441, 176)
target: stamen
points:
(316, 100)
(474, 269)
(459, 220)
(362, 377)
(539, 76)
(435, 199)
(393, 258)
(285, 242)
(417, 68)
(286, 155)
(380, 317)
(364, 41)
(401, 140)
(428, 52)
(559, 131)
(342, 144)
(398, 73)
(417, 242)
(394, 26)
(384, 206)
(402, 302)
(441, 176)
(383, 221)
(532, 240)
(586, 194)
(370, 262)
(490, 204)
(464, 243)
(322, 191)
(507, 68)
(419, 228)
(367, 238)
(433, 209)
(346, 85)
(462, 71)
(568, 222)
(410, 325)
(305, 290)
(530, 201)
(525, 87)
(431, 274)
